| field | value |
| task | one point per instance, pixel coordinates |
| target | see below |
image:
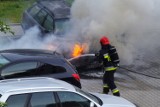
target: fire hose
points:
(89, 59)
(140, 73)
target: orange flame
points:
(78, 50)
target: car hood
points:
(113, 101)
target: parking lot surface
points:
(141, 90)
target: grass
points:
(11, 10)
(69, 2)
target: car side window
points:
(40, 16)
(19, 70)
(17, 100)
(75, 101)
(50, 69)
(34, 10)
(43, 99)
(49, 23)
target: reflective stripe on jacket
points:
(104, 56)
(110, 68)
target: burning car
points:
(82, 60)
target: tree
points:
(5, 28)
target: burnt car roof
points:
(59, 8)
(28, 54)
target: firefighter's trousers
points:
(108, 83)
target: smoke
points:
(33, 39)
(28, 40)
(132, 25)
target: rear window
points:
(72, 66)
(50, 69)
(3, 61)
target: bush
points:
(2, 104)
(5, 28)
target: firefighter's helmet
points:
(104, 41)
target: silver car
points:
(49, 92)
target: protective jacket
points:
(108, 55)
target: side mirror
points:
(91, 104)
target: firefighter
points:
(109, 58)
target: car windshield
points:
(61, 25)
(96, 99)
(3, 61)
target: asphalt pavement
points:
(142, 90)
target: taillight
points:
(76, 76)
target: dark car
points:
(16, 63)
(49, 15)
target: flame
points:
(78, 50)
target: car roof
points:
(33, 84)
(19, 54)
(34, 51)
(59, 8)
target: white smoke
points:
(33, 39)
(132, 25)
(29, 40)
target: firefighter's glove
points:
(97, 54)
(116, 65)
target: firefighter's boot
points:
(105, 89)
(116, 92)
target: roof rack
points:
(22, 79)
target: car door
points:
(43, 99)
(40, 17)
(19, 69)
(48, 24)
(43, 19)
(28, 20)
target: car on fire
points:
(18, 63)
(50, 16)
(85, 62)
(49, 92)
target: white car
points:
(49, 92)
